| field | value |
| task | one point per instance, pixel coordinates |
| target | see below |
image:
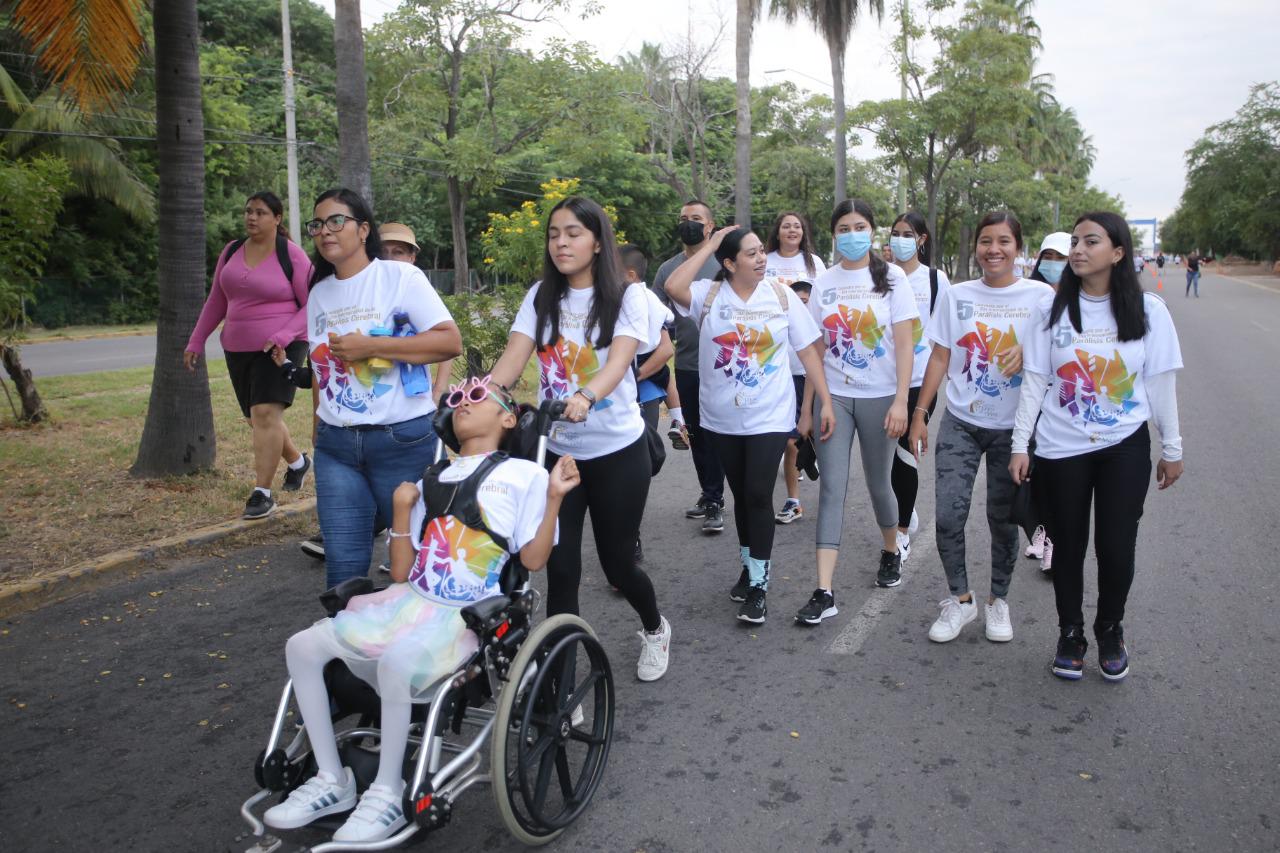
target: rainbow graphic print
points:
(457, 564)
(982, 348)
(746, 354)
(566, 367)
(1096, 389)
(917, 336)
(334, 376)
(854, 337)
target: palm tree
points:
(748, 11)
(834, 20)
(353, 117)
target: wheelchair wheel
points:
(545, 767)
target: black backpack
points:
(282, 255)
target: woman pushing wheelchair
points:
(451, 535)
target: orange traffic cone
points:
(1159, 284)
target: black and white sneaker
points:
(293, 479)
(259, 506)
(313, 547)
(698, 510)
(822, 605)
(741, 588)
(890, 573)
(714, 520)
(754, 609)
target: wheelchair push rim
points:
(544, 769)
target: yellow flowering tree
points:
(513, 242)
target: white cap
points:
(1059, 241)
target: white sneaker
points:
(1046, 559)
(954, 616)
(378, 816)
(1035, 550)
(321, 795)
(999, 628)
(914, 525)
(655, 653)
(904, 545)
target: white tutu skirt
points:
(398, 641)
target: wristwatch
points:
(586, 392)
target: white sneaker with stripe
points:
(319, 796)
(378, 816)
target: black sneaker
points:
(677, 438)
(890, 574)
(822, 605)
(293, 479)
(1068, 663)
(754, 609)
(1113, 657)
(698, 510)
(639, 552)
(741, 588)
(259, 506)
(714, 520)
(313, 547)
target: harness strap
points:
(460, 499)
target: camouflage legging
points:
(960, 447)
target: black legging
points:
(751, 466)
(904, 476)
(1114, 480)
(614, 489)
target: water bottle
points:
(381, 365)
(414, 378)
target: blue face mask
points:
(853, 244)
(1052, 270)
(903, 248)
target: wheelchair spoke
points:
(585, 737)
(587, 684)
(566, 780)
(536, 751)
(547, 763)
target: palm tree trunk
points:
(352, 102)
(178, 437)
(742, 138)
(841, 132)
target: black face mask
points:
(690, 232)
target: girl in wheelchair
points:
(406, 637)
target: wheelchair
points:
(537, 704)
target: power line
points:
(123, 138)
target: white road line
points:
(1252, 284)
(1260, 326)
(850, 640)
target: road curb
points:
(73, 339)
(31, 594)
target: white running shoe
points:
(914, 525)
(999, 628)
(321, 795)
(954, 616)
(1035, 551)
(380, 815)
(655, 653)
(904, 545)
(1046, 560)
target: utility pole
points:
(290, 126)
(902, 93)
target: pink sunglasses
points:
(475, 390)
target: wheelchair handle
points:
(549, 412)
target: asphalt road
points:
(59, 358)
(133, 714)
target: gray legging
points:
(959, 448)
(863, 417)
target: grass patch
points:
(70, 494)
(79, 333)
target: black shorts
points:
(256, 379)
(798, 382)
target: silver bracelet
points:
(391, 534)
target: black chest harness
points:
(461, 499)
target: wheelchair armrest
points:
(336, 599)
(485, 614)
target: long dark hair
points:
(606, 275)
(879, 269)
(774, 243)
(728, 250)
(360, 210)
(272, 201)
(918, 225)
(1126, 291)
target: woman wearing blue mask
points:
(866, 311)
(912, 248)
(1052, 259)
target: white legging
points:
(306, 654)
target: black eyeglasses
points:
(334, 223)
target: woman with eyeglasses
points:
(372, 429)
(584, 323)
(259, 295)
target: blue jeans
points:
(1193, 280)
(357, 472)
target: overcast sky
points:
(1146, 77)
